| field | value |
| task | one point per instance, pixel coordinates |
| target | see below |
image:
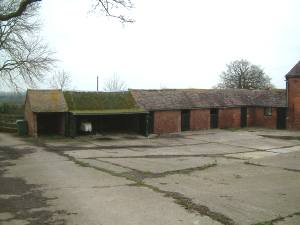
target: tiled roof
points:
(169, 99)
(295, 71)
(47, 101)
(137, 101)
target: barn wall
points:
(230, 118)
(31, 119)
(167, 122)
(265, 121)
(200, 119)
(250, 116)
(293, 120)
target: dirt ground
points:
(212, 177)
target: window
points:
(268, 111)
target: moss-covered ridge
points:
(101, 101)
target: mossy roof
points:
(46, 101)
(101, 102)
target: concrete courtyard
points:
(211, 177)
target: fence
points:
(8, 122)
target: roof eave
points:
(106, 113)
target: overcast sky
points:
(173, 44)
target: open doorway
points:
(50, 123)
(281, 118)
(244, 117)
(185, 120)
(214, 118)
(113, 123)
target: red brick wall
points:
(200, 119)
(260, 120)
(30, 117)
(167, 122)
(250, 116)
(230, 118)
(293, 121)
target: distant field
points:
(11, 97)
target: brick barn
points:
(163, 111)
(193, 109)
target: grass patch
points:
(264, 223)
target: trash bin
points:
(22, 127)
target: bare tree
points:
(12, 9)
(24, 58)
(114, 84)
(115, 9)
(112, 8)
(244, 75)
(60, 80)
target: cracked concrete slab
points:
(205, 149)
(247, 194)
(6, 216)
(91, 153)
(261, 143)
(105, 165)
(286, 150)
(124, 205)
(214, 148)
(294, 220)
(160, 165)
(177, 141)
(60, 172)
(220, 136)
(289, 161)
(194, 149)
(14, 222)
(252, 155)
(79, 188)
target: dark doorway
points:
(214, 118)
(114, 123)
(281, 118)
(185, 120)
(244, 117)
(50, 123)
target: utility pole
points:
(97, 83)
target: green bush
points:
(11, 108)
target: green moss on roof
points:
(100, 101)
(47, 101)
